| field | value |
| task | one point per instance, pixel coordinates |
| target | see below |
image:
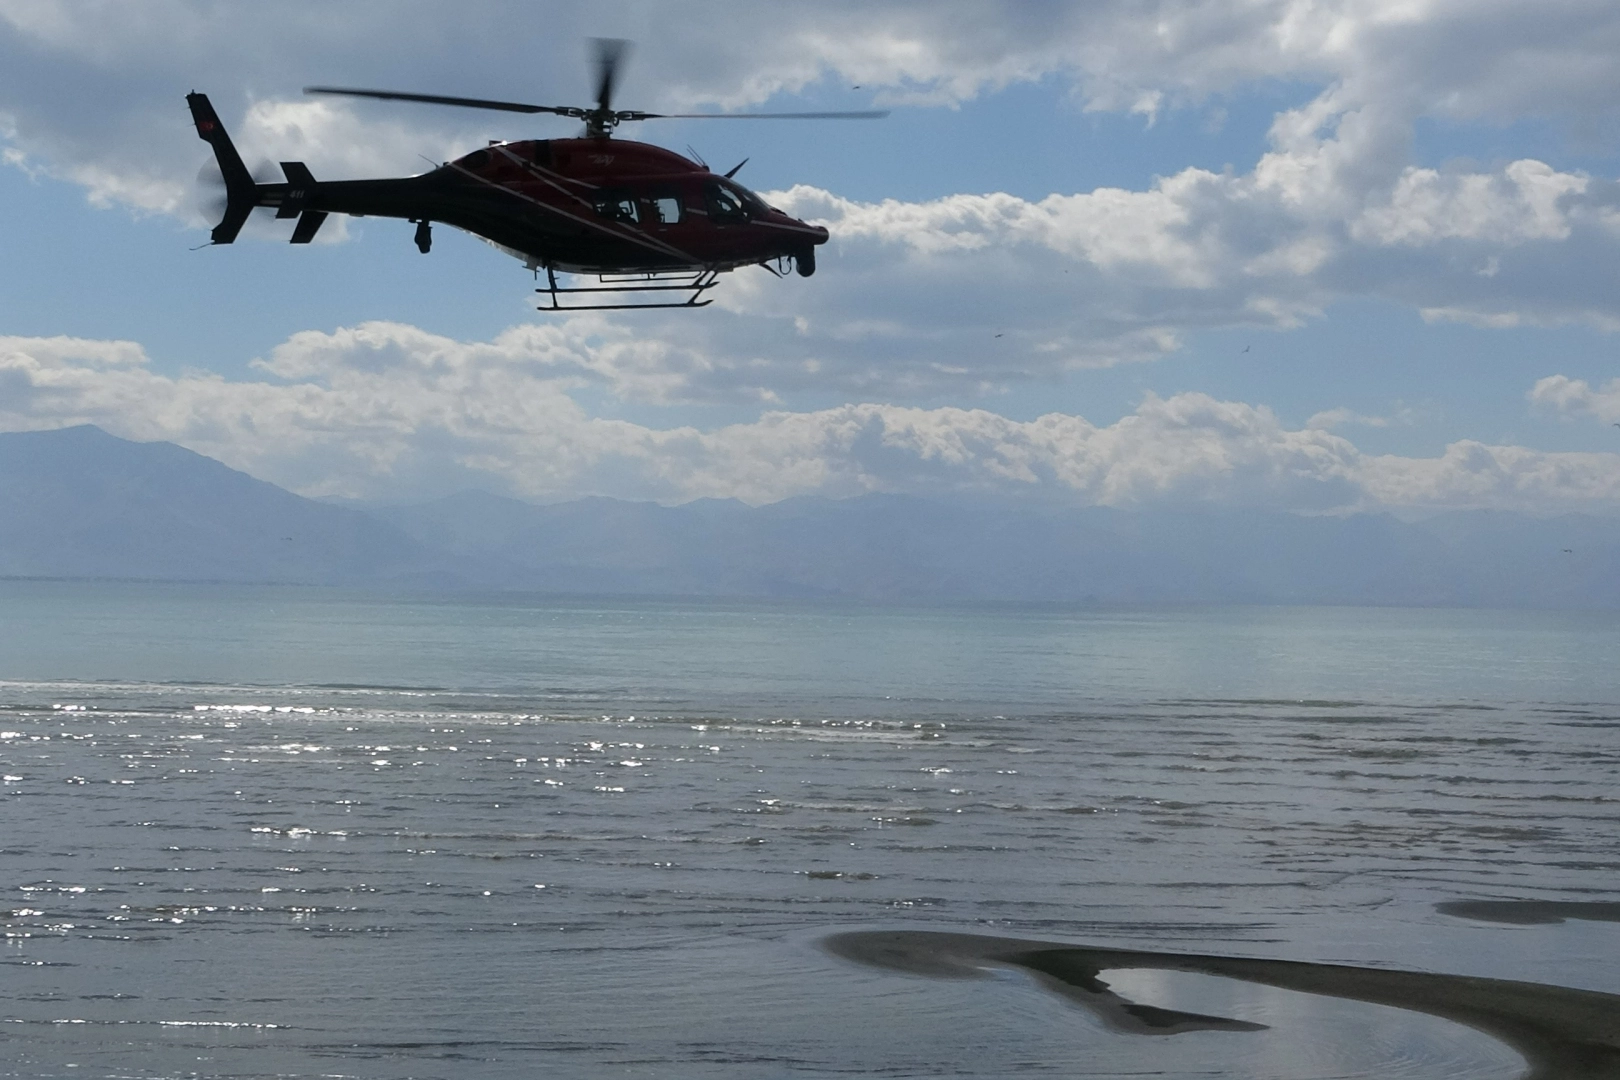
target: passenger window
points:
(617, 208)
(724, 205)
(666, 209)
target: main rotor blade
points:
(610, 52)
(870, 114)
(439, 99)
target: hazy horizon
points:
(80, 503)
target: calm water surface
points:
(295, 832)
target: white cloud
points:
(1485, 320)
(390, 410)
(1110, 228)
(1328, 419)
(1575, 397)
(1520, 204)
(1472, 475)
(1111, 275)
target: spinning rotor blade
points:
(868, 114)
(600, 121)
(610, 53)
(439, 99)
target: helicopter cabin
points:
(629, 182)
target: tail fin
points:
(241, 193)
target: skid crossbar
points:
(695, 282)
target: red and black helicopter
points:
(640, 218)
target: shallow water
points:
(297, 832)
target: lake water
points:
(288, 832)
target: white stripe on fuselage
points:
(634, 235)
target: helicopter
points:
(639, 218)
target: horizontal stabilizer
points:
(298, 174)
(309, 222)
(300, 185)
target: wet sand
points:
(1563, 1034)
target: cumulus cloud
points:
(390, 410)
(1473, 475)
(1577, 397)
(1110, 275)
(1521, 203)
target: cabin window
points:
(541, 153)
(666, 209)
(476, 160)
(724, 204)
(617, 207)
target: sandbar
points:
(1531, 912)
(1563, 1033)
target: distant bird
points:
(1569, 551)
(998, 335)
(1245, 348)
(1617, 423)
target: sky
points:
(1302, 255)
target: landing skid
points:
(695, 282)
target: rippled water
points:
(281, 832)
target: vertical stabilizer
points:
(241, 193)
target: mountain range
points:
(80, 503)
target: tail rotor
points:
(210, 196)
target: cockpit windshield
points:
(752, 203)
(728, 200)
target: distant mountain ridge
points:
(897, 547)
(78, 502)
